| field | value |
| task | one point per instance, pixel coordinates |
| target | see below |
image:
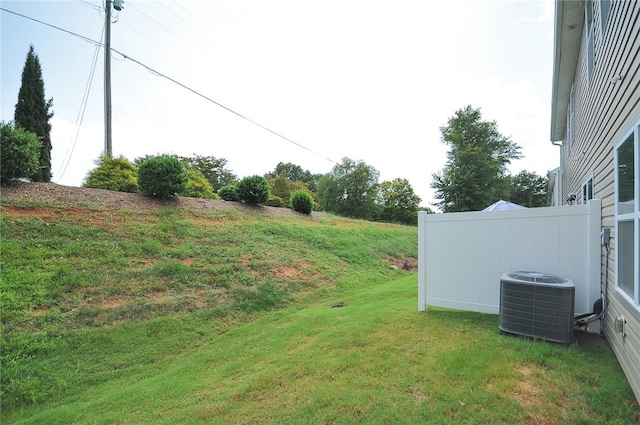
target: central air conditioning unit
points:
(537, 305)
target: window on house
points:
(571, 116)
(590, 30)
(627, 192)
(605, 5)
(587, 190)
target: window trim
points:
(589, 20)
(571, 118)
(584, 192)
(604, 7)
(633, 217)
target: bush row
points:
(165, 176)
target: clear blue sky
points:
(368, 80)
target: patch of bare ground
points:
(113, 302)
(527, 395)
(71, 196)
(406, 263)
(588, 339)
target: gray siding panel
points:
(604, 112)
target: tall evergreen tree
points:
(33, 112)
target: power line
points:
(82, 37)
(93, 6)
(222, 106)
(195, 16)
(162, 26)
(148, 68)
(134, 29)
(182, 19)
(83, 108)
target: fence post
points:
(422, 261)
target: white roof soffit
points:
(569, 21)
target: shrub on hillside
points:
(162, 176)
(198, 186)
(229, 193)
(113, 174)
(20, 150)
(253, 190)
(276, 201)
(301, 201)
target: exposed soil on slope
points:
(70, 196)
(74, 198)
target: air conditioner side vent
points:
(537, 305)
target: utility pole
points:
(117, 5)
(107, 80)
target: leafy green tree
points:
(162, 176)
(475, 174)
(282, 187)
(214, 170)
(198, 186)
(528, 189)
(276, 201)
(253, 190)
(295, 173)
(427, 210)
(113, 174)
(19, 153)
(398, 202)
(350, 190)
(32, 113)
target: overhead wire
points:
(82, 37)
(222, 106)
(93, 6)
(193, 15)
(83, 108)
(132, 28)
(162, 26)
(211, 34)
(148, 68)
(182, 19)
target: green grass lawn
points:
(177, 317)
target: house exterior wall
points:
(604, 111)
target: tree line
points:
(474, 175)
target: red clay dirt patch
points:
(51, 215)
(40, 310)
(29, 211)
(409, 264)
(298, 272)
(44, 213)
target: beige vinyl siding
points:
(600, 103)
(627, 348)
(604, 113)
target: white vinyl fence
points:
(463, 255)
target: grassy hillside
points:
(217, 315)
